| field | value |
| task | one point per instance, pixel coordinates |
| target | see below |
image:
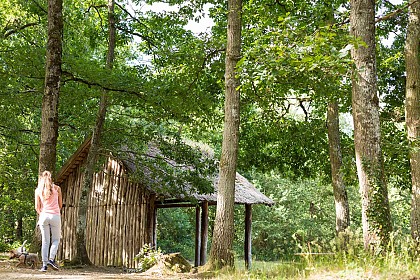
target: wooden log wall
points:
(118, 217)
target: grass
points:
(340, 266)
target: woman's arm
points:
(60, 197)
(38, 203)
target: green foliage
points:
(303, 213)
(293, 147)
(176, 230)
(167, 86)
(147, 257)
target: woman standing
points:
(48, 203)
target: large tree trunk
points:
(342, 213)
(49, 125)
(82, 255)
(375, 207)
(49, 118)
(412, 111)
(221, 253)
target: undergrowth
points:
(398, 261)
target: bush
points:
(148, 257)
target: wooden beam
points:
(173, 200)
(175, 205)
(248, 239)
(204, 231)
(197, 236)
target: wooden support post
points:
(197, 236)
(248, 239)
(204, 231)
(154, 245)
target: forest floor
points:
(8, 270)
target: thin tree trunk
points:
(221, 253)
(412, 111)
(342, 213)
(49, 118)
(82, 255)
(365, 103)
(19, 229)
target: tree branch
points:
(146, 38)
(72, 77)
(40, 7)
(9, 32)
(394, 13)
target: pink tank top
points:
(50, 205)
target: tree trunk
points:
(49, 118)
(82, 255)
(49, 121)
(412, 111)
(221, 253)
(19, 229)
(365, 103)
(342, 213)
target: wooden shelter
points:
(122, 214)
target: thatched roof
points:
(245, 192)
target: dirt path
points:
(8, 270)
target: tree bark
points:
(412, 111)
(49, 116)
(365, 103)
(342, 213)
(221, 252)
(19, 229)
(82, 255)
(49, 119)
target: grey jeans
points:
(50, 226)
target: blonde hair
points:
(45, 184)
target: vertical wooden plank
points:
(197, 236)
(66, 218)
(150, 206)
(116, 214)
(130, 232)
(124, 219)
(139, 221)
(92, 226)
(63, 221)
(248, 225)
(71, 214)
(151, 220)
(110, 240)
(78, 183)
(107, 210)
(204, 231)
(101, 218)
(96, 189)
(97, 232)
(132, 221)
(136, 224)
(89, 220)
